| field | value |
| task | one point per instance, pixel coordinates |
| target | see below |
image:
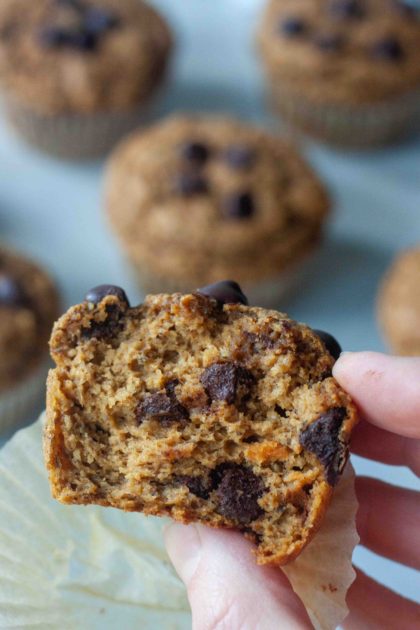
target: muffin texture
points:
(399, 304)
(28, 308)
(195, 199)
(347, 71)
(199, 409)
(79, 72)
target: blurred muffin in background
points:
(399, 303)
(197, 199)
(345, 71)
(75, 75)
(29, 305)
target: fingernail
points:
(183, 544)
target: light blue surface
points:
(52, 209)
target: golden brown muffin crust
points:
(247, 208)
(346, 55)
(118, 72)
(28, 308)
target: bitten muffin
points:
(77, 74)
(195, 199)
(28, 308)
(197, 407)
(346, 71)
(399, 303)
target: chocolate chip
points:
(77, 38)
(12, 294)
(196, 485)
(239, 156)
(238, 495)
(282, 412)
(388, 49)
(107, 329)
(161, 406)
(77, 5)
(228, 382)
(97, 294)
(321, 437)
(329, 42)
(293, 26)
(98, 21)
(195, 152)
(239, 206)
(347, 9)
(189, 184)
(225, 292)
(330, 343)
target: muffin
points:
(75, 75)
(344, 71)
(28, 308)
(199, 408)
(196, 199)
(399, 304)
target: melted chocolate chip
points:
(225, 292)
(321, 437)
(12, 294)
(330, 343)
(228, 382)
(388, 49)
(196, 485)
(162, 406)
(108, 328)
(293, 26)
(347, 9)
(329, 42)
(97, 294)
(189, 184)
(239, 206)
(240, 156)
(238, 494)
(195, 152)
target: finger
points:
(386, 389)
(383, 446)
(374, 607)
(227, 590)
(388, 520)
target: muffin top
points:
(354, 51)
(399, 303)
(28, 308)
(207, 192)
(81, 56)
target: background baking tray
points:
(52, 209)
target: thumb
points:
(227, 590)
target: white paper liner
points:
(17, 403)
(366, 125)
(322, 574)
(74, 136)
(93, 568)
(78, 568)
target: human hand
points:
(227, 590)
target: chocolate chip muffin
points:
(28, 308)
(194, 199)
(77, 74)
(345, 71)
(399, 304)
(197, 407)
